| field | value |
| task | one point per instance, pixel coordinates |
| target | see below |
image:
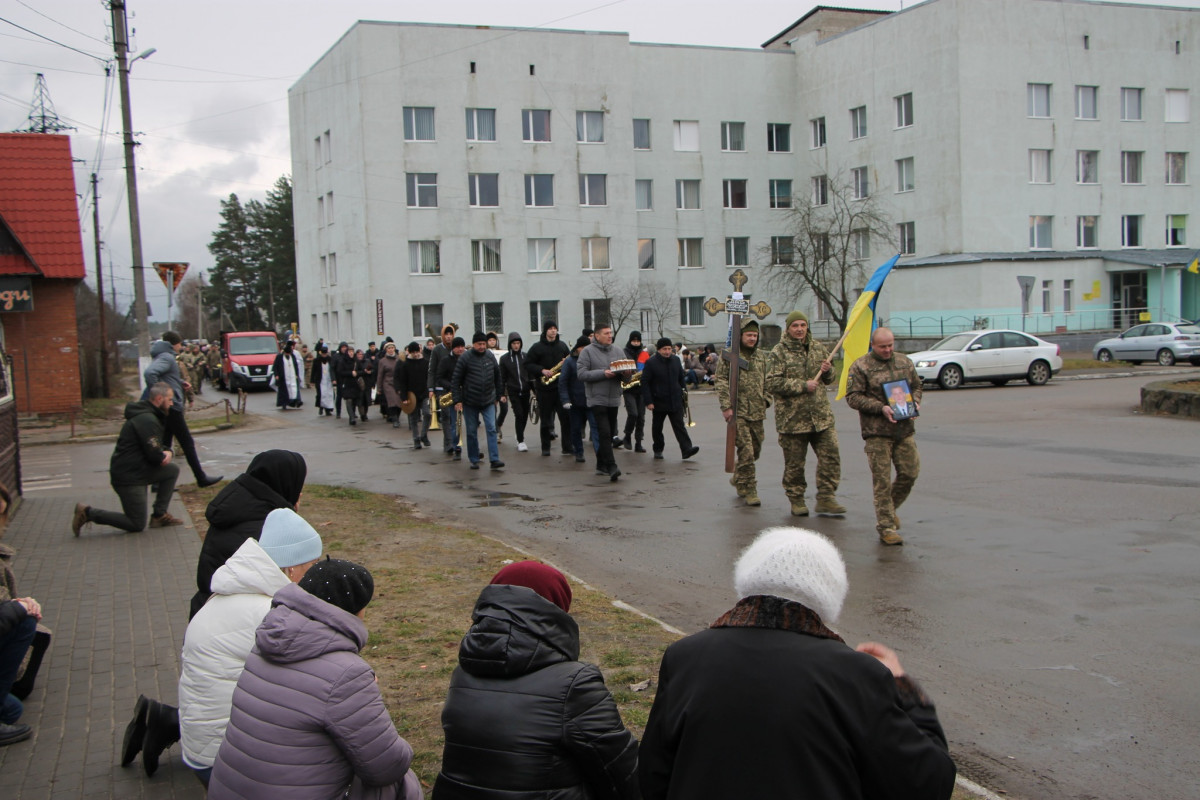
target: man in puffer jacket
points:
(308, 720)
(524, 719)
(477, 386)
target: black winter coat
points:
(412, 375)
(476, 380)
(544, 355)
(344, 368)
(139, 450)
(524, 719)
(513, 373)
(570, 388)
(273, 480)
(662, 383)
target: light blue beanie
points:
(288, 539)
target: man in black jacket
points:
(139, 460)
(662, 393)
(165, 368)
(770, 702)
(516, 385)
(635, 405)
(442, 381)
(476, 386)
(546, 354)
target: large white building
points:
(497, 178)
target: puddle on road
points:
(503, 499)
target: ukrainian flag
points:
(1194, 267)
(861, 323)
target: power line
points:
(63, 24)
(54, 41)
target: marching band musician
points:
(603, 394)
(547, 353)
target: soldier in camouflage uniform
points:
(752, 405)
(798, 373)
(888, 441)
(195, 366)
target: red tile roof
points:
(38, 206)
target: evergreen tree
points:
(233, 276)
(272, 249)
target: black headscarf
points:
(282, 470)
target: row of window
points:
(1087, 167)
(1133, 234)
(1088, 99)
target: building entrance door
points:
(1130, 298)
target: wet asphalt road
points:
(1047, 593)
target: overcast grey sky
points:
(210, 106)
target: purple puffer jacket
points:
(308, 719)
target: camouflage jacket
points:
(864, 393)
(792, 364)
(751, 389)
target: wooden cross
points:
(735, 305)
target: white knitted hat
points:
(794, 564)
(288, 538)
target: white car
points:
(1164, 342)
(995, 356)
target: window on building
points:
(589, 127)
(594, 252)
(820, 190)
(1047, 296)
(1131, 230)
(691, 252)
(821, 248)
(1086, 102)
(539, 190)
(484, 189)
(535, 125)
(481, 124)
(817, 131)
(593, 190)
(908, 238)
(1177, 168)
(424, 257)
(860, 188)
(641, 134)
(646, 319)
(541, 312)
(418, 124)
(781, 193)
(1131, 166)
(904, 110)
(1037, 97)
(321, 212)
(596, 312)
(318, 157)
(645, 254)
(687, 135)
(489, 316)
(1039, 166)
(733, 137)
(643, 193)
(335, 328)
(422, 189)
(1041, 232)
(1131, 104)
(904, 174)
(1085, 232)
(324, 271)
(1087, 166)
(861, 243)
(737, 251)
(427, 321)
(326, 145)
(542, 255)
(485, 255)
(687, 194)
(734, 193)
(1068, 295)
(1177, 105)
(330, 216)
(691, 311)
(858, 122)
(782, 250)
(1176, 230)
(779, 137)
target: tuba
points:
(555, 372)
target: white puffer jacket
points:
(215, 647)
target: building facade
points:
(497, 178)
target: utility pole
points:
(121, 46)
(100, 289)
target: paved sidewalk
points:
(117, 604)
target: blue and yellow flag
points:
(861, 323)
(1194, 267)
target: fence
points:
(1098, 319)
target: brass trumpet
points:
(445, 400)
(435, 423)
(634, 382)
(687, 409)
(555, 372)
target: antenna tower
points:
(42, 117)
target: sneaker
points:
(79, 519)
(691, 451)
(457, 456)
(616, 473)
(658, 455)
(799, 509)
(751, 496)
(497, 465)
(522, 447)
(11, 734)
(165, 521)
(831, 507)
(579, 459)
(618, 442)
(474, 465)
(499, 436)
(890, 537)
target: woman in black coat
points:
(345, 372)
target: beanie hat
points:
(347, 585)
(792, 317)
(661, 343)
(458, 342)
(479, 336)
(413, 347)
(171, 337)
(542, 578)
(289, 539)
(548, 324)
(794, 564)
(582, 342)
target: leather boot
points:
(135, 732)
(628, 441)
(828, 505)
(162, 731)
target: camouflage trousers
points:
(749, 447)
(829, 463)
(882, 453)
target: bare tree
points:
(833, 228)
(661, 302)
(619, 295)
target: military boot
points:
(740, 491)
(827, 505)
(798, 508)
(890, 537)
(751, 496)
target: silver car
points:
(1164, 342)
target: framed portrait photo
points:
(899, 397)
